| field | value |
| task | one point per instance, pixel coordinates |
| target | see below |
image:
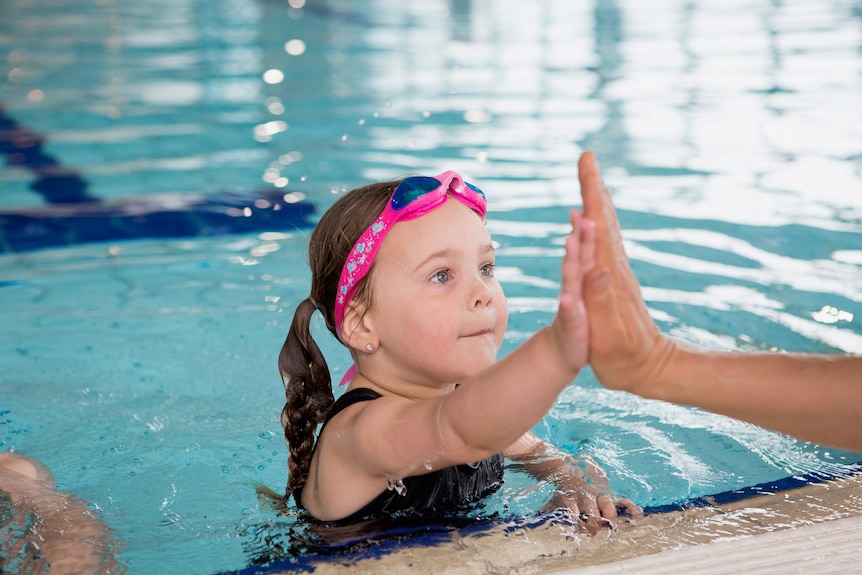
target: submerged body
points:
(45, 530)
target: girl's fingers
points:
(588, 505)
(580, 254)
(607, 506)
(628, 508)
(572, 324)
(572, 277)
(593, 523)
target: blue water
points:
(143, 372)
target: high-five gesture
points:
(813, 397)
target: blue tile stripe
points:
(209, 215)
(73, 216)
(23, 148)
(735, 495)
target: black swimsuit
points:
(432, 494)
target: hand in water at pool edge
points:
(49, 530)
(815, 398)
(582, 487)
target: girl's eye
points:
(487, 270)
(441, 277)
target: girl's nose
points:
(481, 293)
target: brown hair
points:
(304, 372)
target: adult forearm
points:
(815, 398)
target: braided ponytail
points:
(304, 372)
(308, 393)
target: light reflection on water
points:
(729, 133)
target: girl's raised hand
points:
(571, 326)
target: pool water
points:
(142, 371)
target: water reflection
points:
(729, 133)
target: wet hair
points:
(304, 372)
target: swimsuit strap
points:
(357, 395)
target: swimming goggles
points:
(414, 197)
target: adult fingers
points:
(572, 316)
(599, 208)
(588, 242)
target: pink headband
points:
(414, 197)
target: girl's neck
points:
(413, 392)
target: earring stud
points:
(369, 347)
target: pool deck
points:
(813, 529)
(831, 547)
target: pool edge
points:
(653, 545)
(815, 528)
(820, 548)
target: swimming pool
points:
(142, 371)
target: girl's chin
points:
(480, 361)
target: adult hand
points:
(627, 350)
(812, 397)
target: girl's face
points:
(438, 311)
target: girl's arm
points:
(399, 438)
(582, 486)
(812, 397)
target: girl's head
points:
(343, 255)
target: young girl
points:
(403, 274)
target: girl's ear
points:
(356, 329)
